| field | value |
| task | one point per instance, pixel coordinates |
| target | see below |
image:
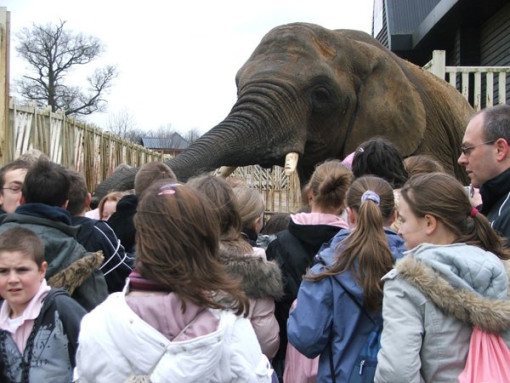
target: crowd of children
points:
(382, 275)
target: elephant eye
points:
(320, 96)
(322, 100)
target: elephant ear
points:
(389, 103)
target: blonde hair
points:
(250, 203)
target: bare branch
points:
(52, 51)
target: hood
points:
(463, 300)
(312, 236)
(128, 202)
(319, 219)
(259, 278)
(135, 342)
(42, 210)
(466, 267)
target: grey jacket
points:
(432, 299)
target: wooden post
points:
(438, 63)
(4, 85)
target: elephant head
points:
(319, 93)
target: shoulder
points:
(61, 301)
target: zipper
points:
(361, 364)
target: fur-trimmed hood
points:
(472, 307)
(259, 278)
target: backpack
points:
(366, 361)
(365, 365)
(488, 359)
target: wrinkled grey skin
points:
(320, 93)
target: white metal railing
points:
(459, 77)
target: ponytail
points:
(365, 252)
(480, 233)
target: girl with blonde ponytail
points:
(339, 300)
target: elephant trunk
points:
(257, 131)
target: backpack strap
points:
(353, 298)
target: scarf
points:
(137, 282)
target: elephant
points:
(313, 94)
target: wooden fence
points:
(96, 154)
(72, 143)
(482, 86)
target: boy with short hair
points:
(38, 325)
(44, 197)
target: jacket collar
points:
(491, 315)
(494, 189)
(42, 210)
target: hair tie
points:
(372, 196)
(474, 211)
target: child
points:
(180, 317)
(452, 278)
(339, 301)
(38, 325)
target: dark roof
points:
(414, 28)
(175, 142)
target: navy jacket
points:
(96, 235)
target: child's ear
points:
(42, 269)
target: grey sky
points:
(178, 59)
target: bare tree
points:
(52, 51)
(192, 135)
(121, 123)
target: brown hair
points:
(151, 172)
(329, 184)
(444, 197)
(25, 241)
(224, 202)
(365, 252)
(177, 246)
(14, 165)
(422, 163)
(77, 193)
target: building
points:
(471, 32)
(172, 145)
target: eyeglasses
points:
(14, 189)
(466, 150)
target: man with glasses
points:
(12, 176)
(486, 157)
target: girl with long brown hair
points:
(180, 318)
(339, 300)
(451, 280)
(260, 280)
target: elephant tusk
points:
(225, 171)
(291, 160)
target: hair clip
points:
(360, 150)
(167, 192)
(372, 196)
(168, 189)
